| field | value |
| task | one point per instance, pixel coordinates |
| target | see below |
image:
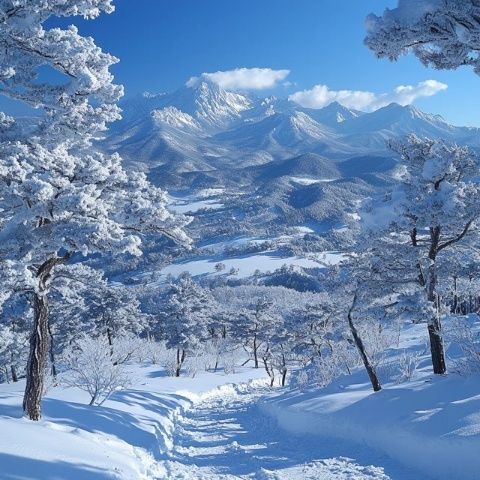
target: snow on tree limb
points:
(444, 34)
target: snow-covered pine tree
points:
(187, 313)
(58, 195)
(434, 210)
(252, 315)
(444, 34)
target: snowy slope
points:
(207, 428)
(122, 440)
(429, 423)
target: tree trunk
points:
(255, 350)
(39, 340)
(37, 359)
(372, 374)
(52, 353)
(454, 309)
(180, 359)
(437, 349)
(13, 371)
(270, 371)
(109, 337)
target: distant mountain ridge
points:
(204, 128)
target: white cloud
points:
(244, 78)
(320, 96)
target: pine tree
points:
(187, 314)
(433, 211)
(444, 34)
(58, 195)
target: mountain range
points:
(264, 178)
(201, 133)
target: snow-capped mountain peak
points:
(210, 104)
(334, 114)
(174, 117)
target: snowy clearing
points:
(173, 428)
(245, 266)
(412, 422)
(185, 206)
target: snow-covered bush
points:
(465, 335)
(128, 348)
(155, 352)
(91, 367)
(408, 363)
(219, 352)
(301, 379)
(230, 358)
(170, 364)
(326, 370)
(377, 339)
(194, 363)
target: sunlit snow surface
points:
(168, 428)
(224, 427)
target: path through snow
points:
(226, 436)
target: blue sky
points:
(162, 43)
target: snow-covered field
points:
(245, 266)
(431, 423)
(124, 439)
(167, 428)
(218, 426)
(192, 205)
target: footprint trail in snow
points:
(225, 436)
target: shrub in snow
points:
(128, 348)
(326, 370)
(93, 368)
(154, 352)
(194, 363)
(230, 358)
(301, 379)
(219, 352)
(466, 337)
(408, 363)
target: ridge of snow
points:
(174, 117)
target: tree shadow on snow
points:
(13, 467)
(134, 428)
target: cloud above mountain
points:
(244, 78)
(321, 96)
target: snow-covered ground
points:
(168, 428)
(246, 266)
(192, 205)
(218, 426)
(431, 423)
(124, 439)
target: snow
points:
(175, 118)
(225, 436)
(311, 181)
(222, 427)
(431, 424)
(247, 266)
(170, 428)
(123, 439)
(183, 205)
